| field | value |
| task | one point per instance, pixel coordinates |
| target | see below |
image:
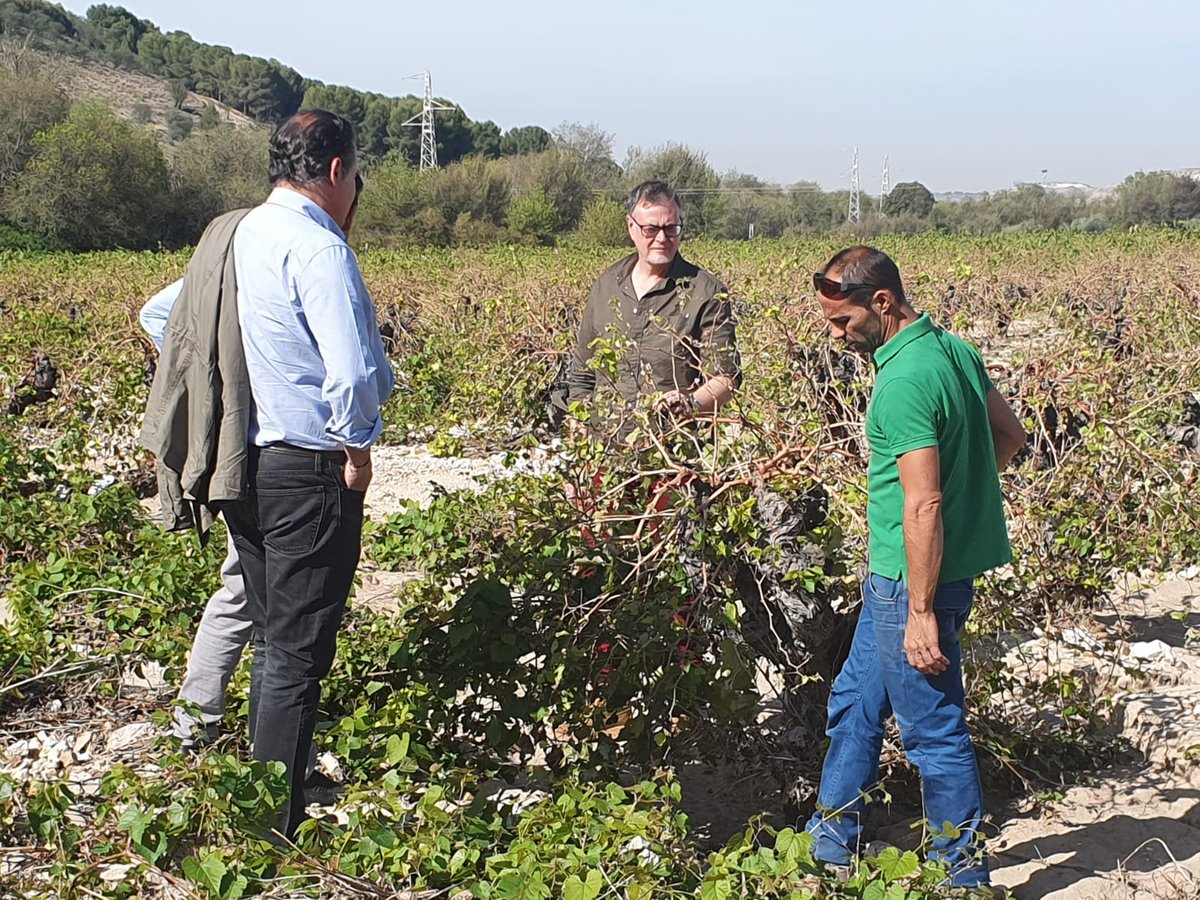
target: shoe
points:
(981, 892)
(836, 872)
(322, 790)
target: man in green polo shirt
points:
(939, 433)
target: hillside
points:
(124, 91)
(265, 90)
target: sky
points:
(961, 96)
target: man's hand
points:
(576, 429)
(357, 471)
(921, 644)
(358, 478)
(677, 404)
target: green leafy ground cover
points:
(578, 650)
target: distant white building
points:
(1078, 188)
(1087, 191)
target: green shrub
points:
(532, 215)
(179, 125)
(603, 224)
(12, 238)
(93, 182)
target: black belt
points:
(337, 457)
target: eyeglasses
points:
(673, 230)
(836, 290)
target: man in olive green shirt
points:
(939, 433)
(672, 320)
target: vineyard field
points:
(511, 722)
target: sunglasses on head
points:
(836, 290)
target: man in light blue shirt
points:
(318, 377)
(225, 625)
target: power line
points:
(751, 190)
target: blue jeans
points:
(877, 681)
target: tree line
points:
(77, 177)
(264, 89)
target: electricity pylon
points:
(887, 184)
(852, 215)
(425, 122)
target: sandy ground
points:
(1132, 831)
(410, 473)
(404, 474)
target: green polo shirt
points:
(931, 391)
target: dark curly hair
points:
(304, 145)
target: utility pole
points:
(852, 215)
(887, 184)
(425, 122)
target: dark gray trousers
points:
(298, 535)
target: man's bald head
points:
(866, 265)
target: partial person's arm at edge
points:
(920, 479)
(713, 394)
(581, 380)
(718, 348)
(157, 310)
(1008, 434)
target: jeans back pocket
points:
(292, 518)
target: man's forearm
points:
(581, 381)
(713, 394)
(1008, 434)
(354, 402)
(1007, 445)
(923, 541)
(157, 311)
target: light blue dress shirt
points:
(156, 311)
(318, 371)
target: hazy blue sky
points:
(960, 95)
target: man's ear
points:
(337, 170)
(884, 301)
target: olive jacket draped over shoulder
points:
(199, 407)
